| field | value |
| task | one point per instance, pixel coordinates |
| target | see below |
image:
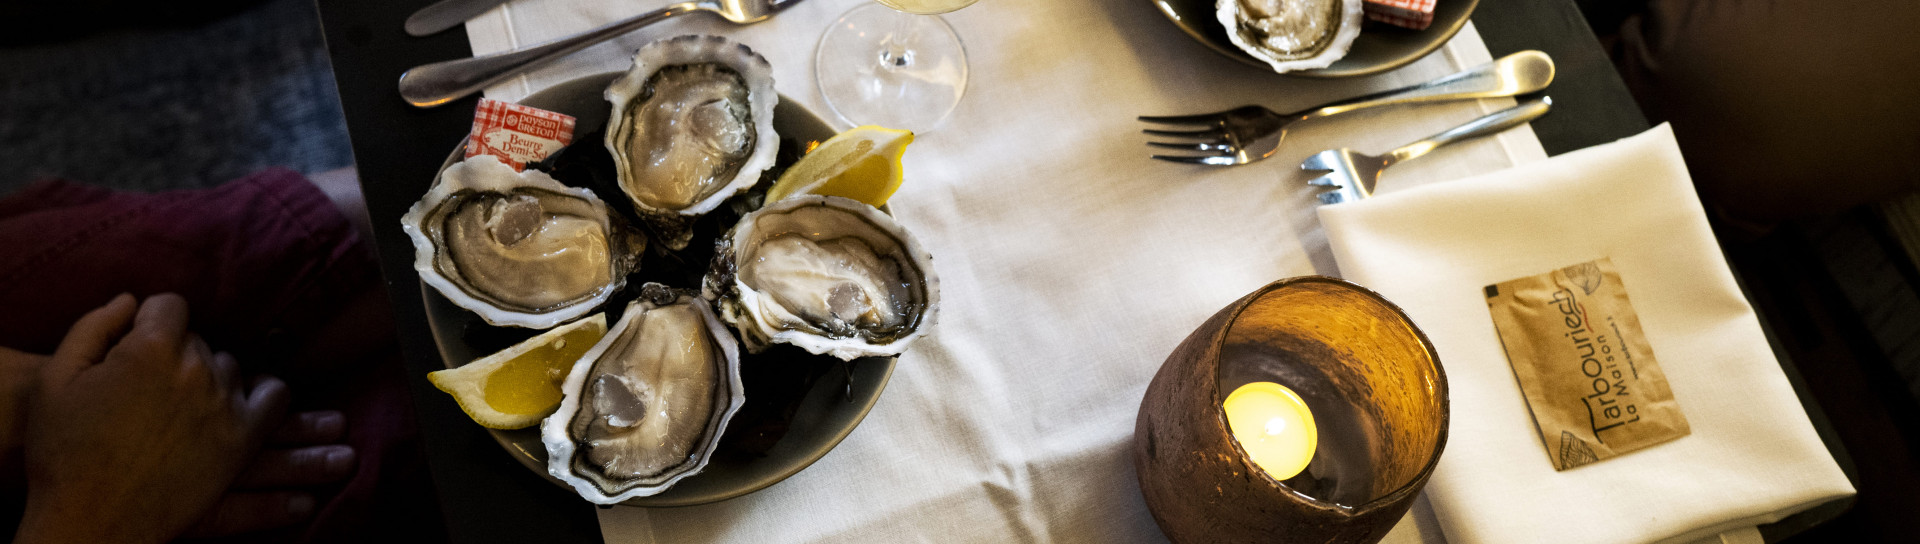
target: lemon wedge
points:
(518, 386)
(862, 164)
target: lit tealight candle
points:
(1274, 426)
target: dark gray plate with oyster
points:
(1379, 48)
(798, 405)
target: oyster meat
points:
(828, 274)
(517, 248)
(692, 125)
(1292, 34)
(646, 406)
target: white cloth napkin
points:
(1752, 457)
(1070, 263)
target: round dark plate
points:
(1379, 48)
(799, 406)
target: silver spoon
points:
(434, 84)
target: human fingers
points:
(10, 356)
(225, 369)
(264, 405)
(315, 427)
(312, 465)
(196, 368)
(238, 513)
(17, 381)
(159, 332)
(88, 341)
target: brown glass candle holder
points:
(1372, 380)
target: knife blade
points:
(446, 14)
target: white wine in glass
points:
(897, 64)
(927, 7)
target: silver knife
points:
(446, 14)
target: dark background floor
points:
(245, 85)
(1837, 296)
(183, 106)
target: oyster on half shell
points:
(828, 274)
(646, 406)
(518, 248)
(692, 125)
(1292, 34)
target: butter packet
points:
(517, 134)
(1589, 376)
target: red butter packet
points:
(1414, 14)
(517, 134)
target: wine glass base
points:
(877, 66)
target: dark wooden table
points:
(487, 496)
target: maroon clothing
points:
(258, 254)
(1783, 108)
(264, 262)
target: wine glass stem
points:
(881, 66)
(897, 55)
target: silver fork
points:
(1353, 175)
(434, 84)
(1251, 133)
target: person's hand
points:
(273, 491)
(18, 372)
(137, 427)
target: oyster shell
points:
(828, 274)
(692, 125)
(1292, 34)
(647, 405)
(518, 248)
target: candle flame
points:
(1274, 426)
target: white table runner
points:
(1070, 263)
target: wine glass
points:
(897, 64)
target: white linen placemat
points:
(1752, 457)
(1070, 263)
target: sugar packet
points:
(1588, 374)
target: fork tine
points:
(1203, 146)
(1324, 160)
(1213, 135)
(781, 5)
(1332, 197)
(1214, 160)
(1326, 181)
(1204, 118)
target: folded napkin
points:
(1752, 457)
